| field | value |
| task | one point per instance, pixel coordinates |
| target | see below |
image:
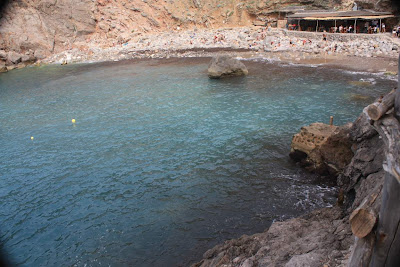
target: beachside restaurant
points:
(358, 21)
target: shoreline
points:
(384, 65)
(357, 52)
(371, 53)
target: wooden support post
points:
(362, 252)
(355, 26)
(387, 246)
(376, 110)
(316, 28)
(363, 218)
(397, 95)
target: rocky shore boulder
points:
(224, 66)
(322, 148)
(320, 238)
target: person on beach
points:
(341, 28)
(366, 25)
(383, 27)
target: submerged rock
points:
(223, 66)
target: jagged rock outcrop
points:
(321, 237)
(322, 148)
(365, 170)
(224, 66)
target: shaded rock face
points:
(322, 148)
(382, 5)
(35, 29)
(224, 66)
(365, 170)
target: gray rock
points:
(3, 55)
(14, 57)
(40, 54)
(223, 66)
(322, 236)
(309, 259)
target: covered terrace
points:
(358, 21)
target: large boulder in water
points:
(322, 148)
(223, 66)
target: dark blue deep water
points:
(162, 163)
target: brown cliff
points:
(34, 29)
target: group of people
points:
(345, 29)
(374, 27)
(367, 29)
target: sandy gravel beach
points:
(372, 53)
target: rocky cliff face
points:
(34, 29)
(382, 5)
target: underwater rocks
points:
(322, 148)
(224, 66)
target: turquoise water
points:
(162, 163)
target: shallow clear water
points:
(162, 162)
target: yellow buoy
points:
(73, 120)
(31, 137)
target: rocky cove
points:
(352, 154)
(355, 155)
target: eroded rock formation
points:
(322, 148)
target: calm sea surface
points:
(162, 163)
